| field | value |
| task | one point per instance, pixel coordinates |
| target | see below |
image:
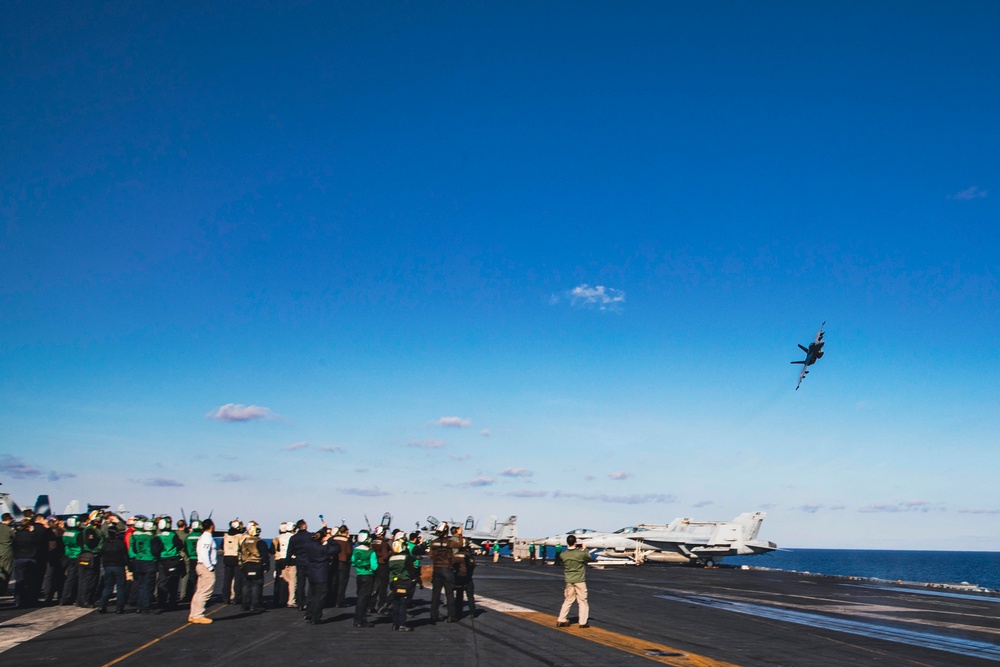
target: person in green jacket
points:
(71, 547)
(167, 547)
(574, 561)
(364, 560)
(143, 563)
(191, 549)
(404, 571)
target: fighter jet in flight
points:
(813, 353)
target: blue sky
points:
(545, 259)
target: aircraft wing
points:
(805, 371)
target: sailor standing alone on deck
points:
(574, 561)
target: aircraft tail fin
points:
(73, 507)
(508, 529)
(7, 504)
(750, 522)
(42, 506)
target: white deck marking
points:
(28, 626)
(497, 605)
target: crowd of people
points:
(152, 565)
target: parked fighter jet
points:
(680, 541)
(813, 353)
(7, 504)
(500, 532)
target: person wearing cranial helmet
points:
(284, 569)
(167, 548)
(143, 563)
(365, 561)
(254, 562)
(232, 581)
(404, 572)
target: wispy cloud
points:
(333, 449)
(905, 506)
(480, 481)
(453, 422)
(703, 503)
(528, 493)
(516, 472)
(485, 433)
(294, 446)
(598, 297)
(231, 477)
(620, 475)
(157, 481)
(426, 444)
(979, 511)
(237, 412)
(810, 508)
(968, 194)
(460, 457)
(13, 466)
(636, 499)
(370, 491)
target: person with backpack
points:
(143, 563)
(404, 571)
(364, 560)
(254, 561)
(314, 560)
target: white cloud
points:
(18, 469)
(454, 422)
(333, 449)
(480, 481)
(157, 481)
(426, 444)
(635, 499)
(516, 472)
(295, 445)
(462, 457)
(528, 493)
(621, 475)
(598, 297)
(703, 503)
(371, 491)
(485, 433)
(905, 506)
(237, 412)
(231, 477)
(970, 193)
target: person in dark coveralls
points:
(464, 564)
(365, 561)
(404, 571)
(254, 561)
(23, 549)
(574, 561)
(443, 577)
(380, 583)
(314, 563)
(343, 538)
(167, 547)
(114, 556)
(297, 546)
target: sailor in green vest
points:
(71, 545)
(91, 541)
(404, 571)
(143, 563)
(365, 561)
(191, 548)
(166, 548)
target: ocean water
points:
(939, 567)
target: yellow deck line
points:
(661, 653)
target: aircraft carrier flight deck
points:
(639, 615)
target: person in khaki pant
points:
(574, 561)
(205, 568)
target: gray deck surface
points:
(742, 617)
